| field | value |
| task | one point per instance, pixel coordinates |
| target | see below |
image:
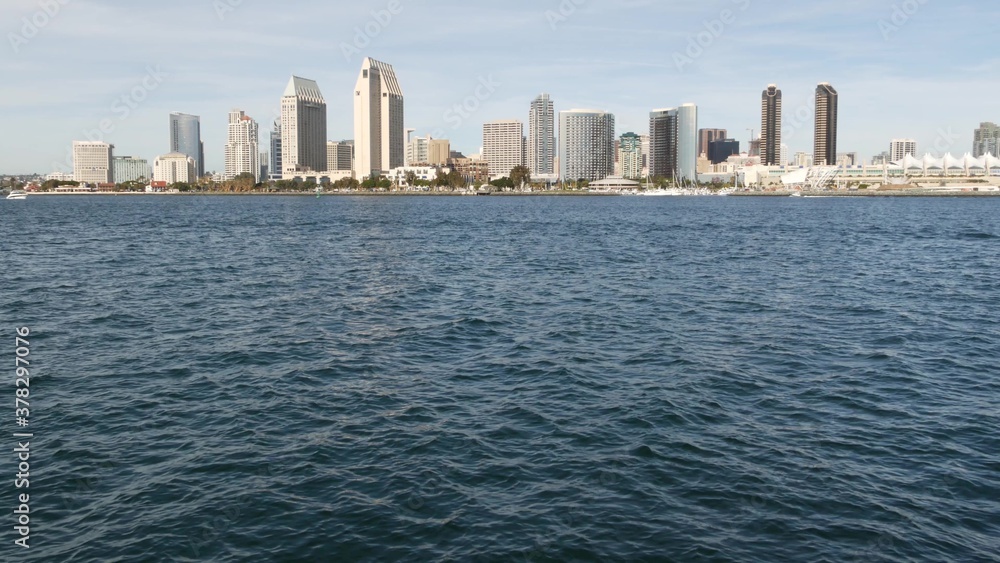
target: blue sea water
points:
(506, 379)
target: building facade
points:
(340, 156)
(687, 143)
(630, 155)
(706, 136)
(175, 168)
(586, 145)
(899, 148)
(275, 167)
(986, 140)
(131, 169)
(303, 128)
(242, 151)
(542, 136)
(503, 146)
(185, 138)
(438, 152)
(770, 127)
(663, 143)
(825, 143)
(720, 150)
(379, 135)
(417, 151)
(93, 162)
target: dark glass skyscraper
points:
(663, 143)
(825, 145)
(770, 127)
(185, 138)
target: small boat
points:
(796, 194)
(17, 194)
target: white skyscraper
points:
(303, 128)
(899, 148)
(687, 143)
(243, 147)
(586, 145)
(379, 135)
(503, 146)
(93, 162)
(542, 136)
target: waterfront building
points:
(503, 146)
(847, 159)
(475, 172)
(770, 126)
(417, 151)
(986, 140)
(303, 128)
(720, 150)
(379, 135)
(185, 138)
(586, 145)
(706, 136)
(825, 142)
(438, 152)
(542, 138)
(663, 143)
(131, 169)
(630, 155)
(242, 153)
(398, 176)
(687, 143)
(264, 171)
(340, 156)
(275, 166)
(899, 148)
(802, 160)
(93, 162)
(645, 155)
(175, 168)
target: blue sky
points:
(931, 74)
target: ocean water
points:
(506, 379)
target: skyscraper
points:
(706, 136)
(379, 136)
(93, 162)
(340, 156)
(720, 150)
(630, 155)
(586, 145)
(438, 152)
(770, 127)
(899, 148)
(503, 146)
(185, 138)
(242, 147)
(687, 143)
(986, 140)
(542, 135)
(825, 145)
(303, 128)
(275, 167)
(663, 143)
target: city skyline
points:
(136, 88)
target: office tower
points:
(802, 160)
(417, 151)
(719, 151)
(687, 143)
(264, 172)
(586, 145)
(130, 169)
(542, 136)
(275, 167)
(340, 156)
(503, 146)
(185, 138)
(379, 141)
(706, 136)
(784, 158)
(825, 145)
(644, 139)
(986, 140)
(630, 155)
(770, 127)
(899, 148)
(173, 168)
(303, 128)
(847, 159)
(884, 157)
(242, 147)
(438, 152)
(93, 162)
(663, 143)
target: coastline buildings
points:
(242, 148)
(503, 146)
(586, 145)
(542, 138)
(663, 143)
(92, 162)
(131, 169)
(275, 166)
(630, 155)
(687, 143)
(173, 168)
(825, 143)
(379, 135)
(706, 136)
(770, 127)
(986, 140)
(303, 128)
(899, 148)
(185, 138)
(340, 156)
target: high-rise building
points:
(706, 136)
(379, 135)
(417, 151)
(303, 128)
(770, 127)
(986, 140)
(719, 151)
(878, 160)
(503, 146)
(265, 159)
(438, 152)
(275, 167)
(802, 160)
(586, 145)
(899, 148)
(687, 143)
(825, 144)
(663, 143)
(340, 156)
(242, 146)
(93, 162)
(542, 136)
(131, 169)
(185, 138)
(174, 168)
(630, 155)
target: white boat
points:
(17, 194)
(796, 194)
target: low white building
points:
(426, 173)
(173, 168)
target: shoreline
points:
(841, 194)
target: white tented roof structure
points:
(949, 162)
